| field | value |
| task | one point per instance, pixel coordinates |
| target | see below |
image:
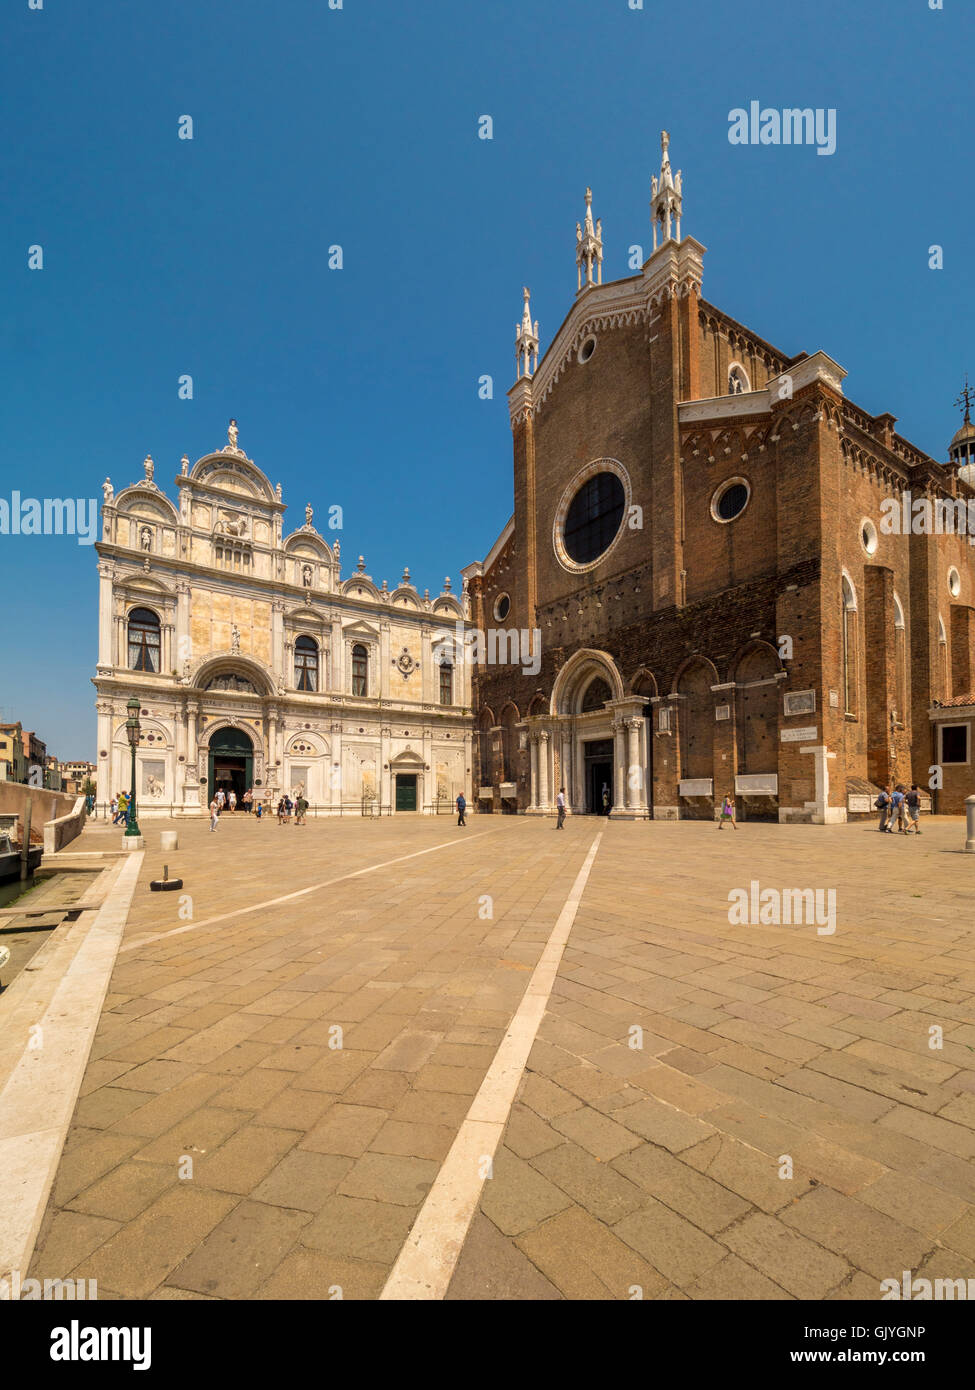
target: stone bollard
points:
(970, 824)
(169, 839)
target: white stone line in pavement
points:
(38, 1100)
(426, 1263)
(151, 938)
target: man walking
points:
(214, 815)
(896, 810)
(461, 808)
(913, 803)
(882, 804)
(560, 803)
(232, 800)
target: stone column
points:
(272, 772)
(428, 782)
(543, 761)
(335, 772)
(184, 644)
(277, 636)
(105, 615)
(385, 772)
(619, 764)
(382, 679)
(533, 790)
(634, 783)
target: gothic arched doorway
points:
(230, 764)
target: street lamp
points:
(132, 729)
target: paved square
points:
(290, 1047)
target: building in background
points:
(257, 665)
(36, 754)
(709, 538)
(78, 776)
(13, 757)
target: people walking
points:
(727, 813)
(461, 809)
(301, 806)
(232, 800)
(221, 800)
(259, 810)
(214, 814)
(113, 809)
(248, 799)
(896, 810)
(882, 804)
(913, 804)
(122, 809)
(560, 804)
(606, 798)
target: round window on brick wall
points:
(587, 349)
(502, 607)
(954, 582)
(868, 536)
(730, 500)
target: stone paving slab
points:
(709, 1110)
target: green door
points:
(231, 762)
(406, 791)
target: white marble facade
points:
(215, 619)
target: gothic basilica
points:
(700, 536)
(257, 666)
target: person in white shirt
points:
(214, 814)
(560, 803)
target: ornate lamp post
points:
(132, 728)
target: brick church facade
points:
(706, 539)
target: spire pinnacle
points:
(665, 196)
(589, 247)
(526, 340)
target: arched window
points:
(446, 683)
(849, 619)
(360, 669)
(596, 694)
(738, 382)
(900, 661)
(306, 663)
(943, 658)
(143, 640)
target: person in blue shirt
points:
(896, 810)
(461, 808)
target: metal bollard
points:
(970, 824)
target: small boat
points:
(10, 859)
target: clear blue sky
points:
(359, 127)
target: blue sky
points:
(359, 127)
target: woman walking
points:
(727, 813)
(214, 815)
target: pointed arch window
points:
(306, 663)
(900, 661)
(943, 657)
(144, 640)
(360, 669)
(850, 660)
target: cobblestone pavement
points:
(708, 1111)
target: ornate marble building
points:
(257, 665)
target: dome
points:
(964, 435)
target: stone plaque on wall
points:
(722, 711)
(858, 804)
(800, 702)
(799, 735)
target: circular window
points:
(954, 582)
(589, 518)
(868, 535)
(587, 349)
(730, 500)
(502, 607)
